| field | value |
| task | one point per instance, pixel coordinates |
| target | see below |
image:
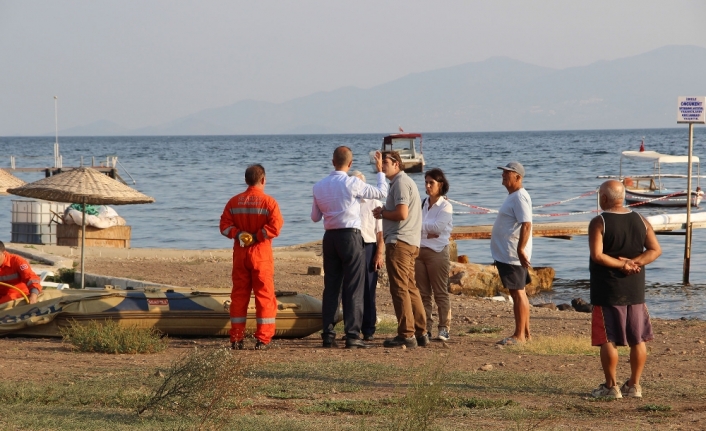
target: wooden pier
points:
(112, 172)
(561, 230)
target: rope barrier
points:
(489, 211)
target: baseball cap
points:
(514, 167)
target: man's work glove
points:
(245, 239)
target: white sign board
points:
(691, 109)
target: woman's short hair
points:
(438, 175)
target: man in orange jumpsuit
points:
(252, 219)
(15, 270)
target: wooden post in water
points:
(687, 240)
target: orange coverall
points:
(15, 270)
(253, 267)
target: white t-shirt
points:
(437, 220)
(516, 209)
(369, 226)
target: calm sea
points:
(192, 177)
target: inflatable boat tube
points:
(173, 312)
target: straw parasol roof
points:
(82, 185)
(8, 181)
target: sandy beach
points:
(548, 389)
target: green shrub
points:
(109, 337)
(203, 384)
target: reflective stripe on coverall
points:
(253, 267)
(15, 270)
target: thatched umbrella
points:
(83, 186)
(8, 181)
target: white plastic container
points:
(36, 211)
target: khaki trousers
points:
(431, 272)
(411, 317)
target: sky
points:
(145, 62)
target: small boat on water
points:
(650, 189)
(173, 312)
(404, 144)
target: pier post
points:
(687, 240)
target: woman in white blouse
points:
(432, 265)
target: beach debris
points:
(700, 341)
(581, 306)
(463, 259)
(486, 367)
(549, 305)
(315, 270)
(565, 307)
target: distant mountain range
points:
(498, 94)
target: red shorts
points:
(622, 325)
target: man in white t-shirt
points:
(511, 247)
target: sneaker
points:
(603, 391)
(423, 341)
(400, 341)
(631, 391)
(237, 345)
(443, 335)
(261, 346)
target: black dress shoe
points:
(329, 341)
(368, 337)
(356, 343)
(400, 341)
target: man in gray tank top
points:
(621, 243)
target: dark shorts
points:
(623, 325)
(514, 277)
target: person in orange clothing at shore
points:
(15, 270)
(252, 219)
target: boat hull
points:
(174, 313)
(411, 166)
(670, 199)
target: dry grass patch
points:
(111, 337)
(561, 345)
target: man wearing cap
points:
(511, 247)
(336, 200)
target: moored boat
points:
(404, 144)
(650, 189)
(173, 312)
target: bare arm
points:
(379, 259)
(525, 234)
(400, 213)
(652, 248)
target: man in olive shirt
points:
(402, 229)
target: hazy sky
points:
(141, 63)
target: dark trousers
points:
(344, 278)
(370, 316)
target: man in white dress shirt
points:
(336, 200)
(374, 246)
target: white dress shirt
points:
(369, 225)
(336, 199)
(437, 219)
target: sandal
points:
(509, 341)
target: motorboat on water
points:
(650, 189)
(404, 144)
(172, 311)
